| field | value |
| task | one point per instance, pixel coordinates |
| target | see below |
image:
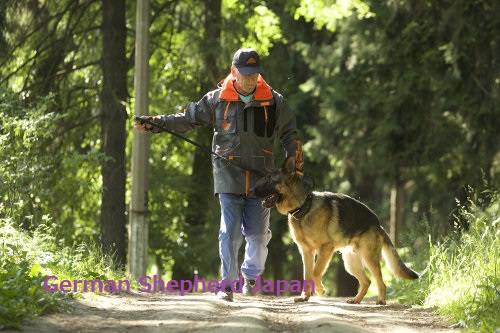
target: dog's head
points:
(280, 187)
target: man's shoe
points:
(248, 288)
(226, 295)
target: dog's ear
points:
(289, 164)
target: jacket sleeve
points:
(195, 115)
(287, 131)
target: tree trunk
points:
(397, 211)
(113, 134)
(200, 197)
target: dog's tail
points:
(393, 260)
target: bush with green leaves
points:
(461, 279)
(28, 257)
(21, 292)
(466, 282)
(43, 169)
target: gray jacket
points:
(242, 133)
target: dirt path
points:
(138, 313)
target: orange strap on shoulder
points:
(299, 162)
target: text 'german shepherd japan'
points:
(324, 222)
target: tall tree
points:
(113, 133)
(199, 198)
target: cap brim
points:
(247, 70)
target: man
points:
(247, 115)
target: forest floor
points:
(202, 312)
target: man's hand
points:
(143, 126)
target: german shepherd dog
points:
(324, 222)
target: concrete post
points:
(138, 224)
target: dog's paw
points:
(304, 297)
(301, 299)
(381, 302)
(353, 301)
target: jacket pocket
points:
(225, 126)
(227, 150)
(225, 120)
(268, 160)
(264, 162)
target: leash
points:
(197, 145)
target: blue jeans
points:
(243, 216)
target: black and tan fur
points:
(324, 222)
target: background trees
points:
(113, 131)
(393, 99)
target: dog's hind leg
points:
(372, 262)
(325, 253)
(354, 266)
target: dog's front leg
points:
(325, 253)
(308, 263)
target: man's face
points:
(245, 83)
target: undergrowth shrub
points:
(460, 276)
(21, 293)
(466, 268)
(26, 258)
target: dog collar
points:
(300, 212)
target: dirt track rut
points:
(138, 313)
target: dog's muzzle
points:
(264, 189)
(270, 201)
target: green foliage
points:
(328, 13)
(21, 294)
(49, 85)
(393, 109)
(259, 28)
(27, 258)
(26, 168)
(462, 274)
(265, 30)
(466, 282)
(36, 176)
(417, 256)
